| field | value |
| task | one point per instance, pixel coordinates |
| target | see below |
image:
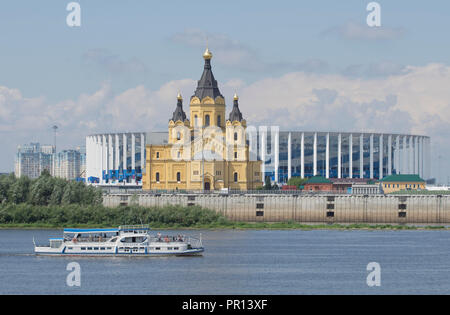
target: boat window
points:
(114, 239)
(175, 248)
(70, 247)
(169, 248)
(89, 248)
(102, 248)
(157, 248)
(95, 248)
(83, 248)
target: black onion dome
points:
(207, 85)
(179, 113)
(235, 114)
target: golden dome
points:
(179, 96)
(235, 97)
(207, 54)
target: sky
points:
(302, 65)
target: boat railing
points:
(145, 227)
(194, 242)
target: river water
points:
(243, 262)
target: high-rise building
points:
(32, 159)
(69, 164)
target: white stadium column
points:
(390, 155)
(421, 157)
(276, 154)
(416, 155)
(380, 157)
(88, 154)
(289, 156)
(371, 156)
(315, 154)
(405, 157)
(263, 150)
(327, 157)
(350, 156)
(133, 155)
(361, 156)
(398, 156)
(110, 154)
(142, 153)
(339, 174)
(411, 155)
(302, 156)
(428, 159)
(98, 157)
(124, 153)
(117, 156)
(104, 155)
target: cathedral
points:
(207, 151)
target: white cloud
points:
(357, 31)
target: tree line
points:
(47, 190)
(50, 201)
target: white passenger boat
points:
(128, 240)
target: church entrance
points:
(207, 186)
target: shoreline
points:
(242, 226)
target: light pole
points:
(55, 128)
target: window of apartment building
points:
(157, 155)
(178, 176)
(235, 177)
(235, 155)
(157, 177)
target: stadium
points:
(116, 158)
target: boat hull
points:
(190, 252)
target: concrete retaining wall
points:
(419, 209)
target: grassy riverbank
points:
(239, 226)
(26, 216)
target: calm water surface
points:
(243, 262)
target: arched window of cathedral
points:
(195, 121)
(235, 136)
(207, 120)
(218, 120)
(178, 135)
(235, 177)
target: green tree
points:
(41, 190)
(267, 183)
(297, 181)
(19, 190)
(6, 181)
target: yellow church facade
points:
(207, 151)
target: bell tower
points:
(207, 106)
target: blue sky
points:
(125, 52)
